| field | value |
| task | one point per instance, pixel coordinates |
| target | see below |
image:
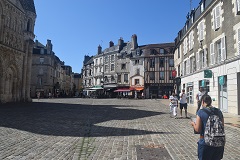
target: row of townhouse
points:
(207, 53)
(129, 69)
(50, 74)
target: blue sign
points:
(203, 83)
(221, 80)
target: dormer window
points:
(161, 51)
(202, 7)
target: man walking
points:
(199, 96)
(183, 102)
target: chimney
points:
(99, 50)
(49, 46)
(134, 41)
(111, 44)
(120, 41)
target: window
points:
(41, 71)
(106, 68)
(137, 71)
(179, 70)
(152, 75)
(202, 59)
(90, 82)
(112, 78)
(170, 75)
(184, 67)
(238, 41)
(112, 67)
(161, 75)
(90, 72)
(218, 51)
(152, 63)
(152, 51)
(216, 14)
(112, 58)
(179, 52)
(106, 59)
(136, 81)
(192, 64)
(100, 60)
(100, 69)
(185, 46)
(136, 61)
(171, 62)
(161, 51)
(42, 51)
(126, 78)
(238, 6)
(105, 79)
(191, 40)
(96, 61)
(119, 78)
(201, 31)
(123, 66)
(41, 60)
(39, 81)
(161, 62)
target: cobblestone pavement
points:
(98, 129)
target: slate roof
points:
(28, 5)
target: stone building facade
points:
(124, 70)
(207, 53)
(17, 21)
(49, 73)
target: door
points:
(223, 96)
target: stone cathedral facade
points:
(17, 21)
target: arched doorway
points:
(10, 86)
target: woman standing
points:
(210, 147)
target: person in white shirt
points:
(183, 102)
(199, 97)
(173, 104)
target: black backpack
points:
(214, 134)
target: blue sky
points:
(77, 27)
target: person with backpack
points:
(210, 124)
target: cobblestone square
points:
(98, 129)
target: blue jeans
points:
(209, 153)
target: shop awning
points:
(139, 88)
(123, 90)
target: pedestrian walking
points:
(173, 105)
(38, 95)
(199, 96)
(183, 103)
(210, 124)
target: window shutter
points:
(239, 41)
(212, 54)
(238, 6)
(201, 31)
(197, 60)
(223, 46)
(217, 17)
(188, 65)
(183, 69)
(205, 58)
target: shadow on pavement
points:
(75, 120)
